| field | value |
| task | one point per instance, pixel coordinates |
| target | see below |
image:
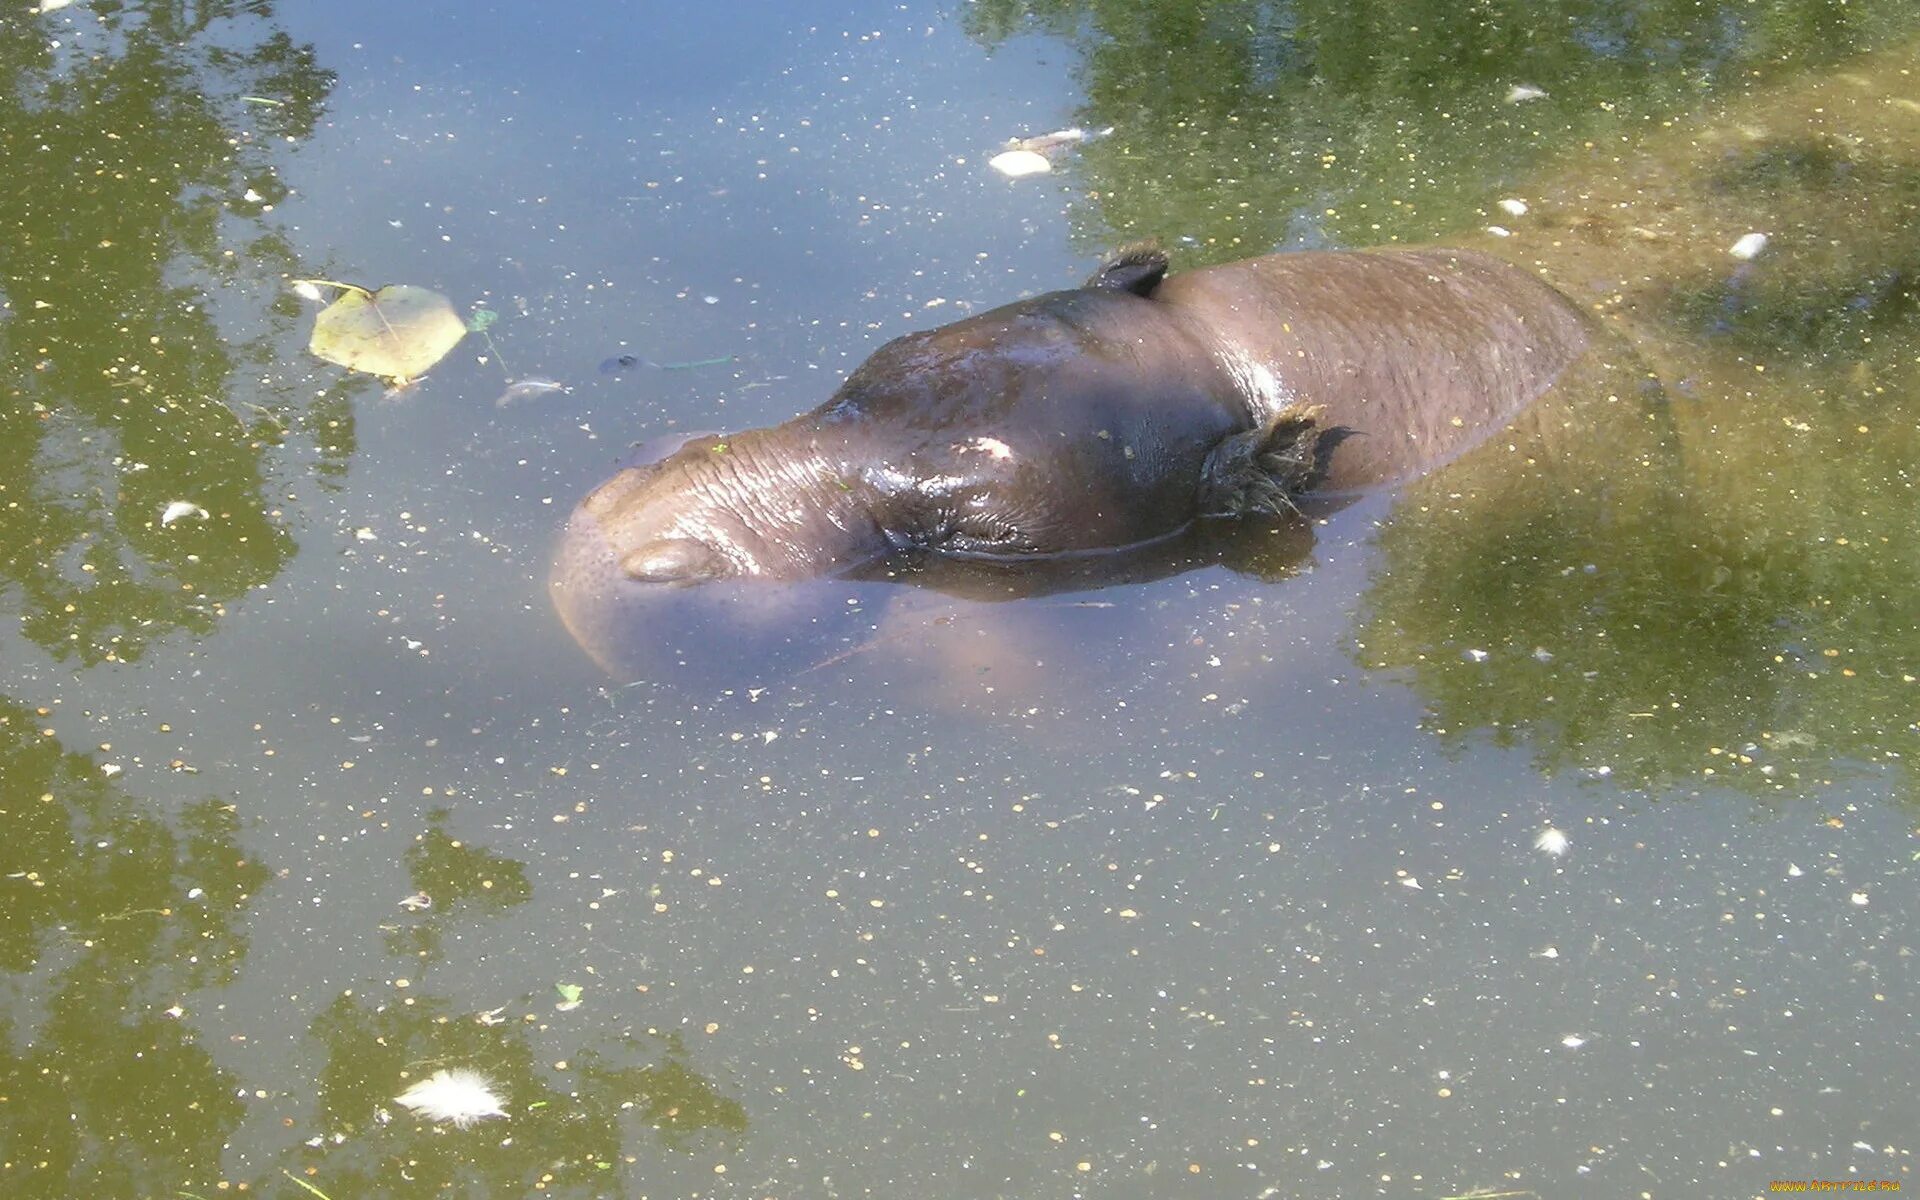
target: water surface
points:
(1219, 881)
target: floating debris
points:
(180, 510)
(1035, 155)
(395, 333)
(1520, 93)
(1513, 206)
(626, 362)
(527, 389)
(1552, 841)
(1059, 139)
(1573, 1041)
(1499, 231)
(1017, 164)
(1475, 656)
(418, 902)
(461, 1096)
(1748, 246)
(570, 994)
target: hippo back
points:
(1077, 420)
(1412, 357)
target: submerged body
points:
(1095, 419)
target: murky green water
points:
(1220, 883)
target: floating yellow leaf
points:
(396, 333)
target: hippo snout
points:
(638, 620)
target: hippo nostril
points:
(673, 560)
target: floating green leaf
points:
(396, 333)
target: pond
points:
(1541, 829)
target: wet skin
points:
(1088, 420)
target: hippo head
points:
(664, 518)
(765, 504)
(726, 513)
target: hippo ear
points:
(673, 560)
(1137, 268)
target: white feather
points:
(461, 1096)
(180, 509)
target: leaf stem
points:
(334, 283)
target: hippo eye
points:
(673, 560)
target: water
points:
(1222, 880)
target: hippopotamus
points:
(1096, 419)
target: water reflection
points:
(449, 875)
(1242, 125)
(114, 917)
(157, 127)
(568, 1124)
(1749, 620)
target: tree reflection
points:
(1747, 617)
(558, 1138)
(1242, 125)
(112, 916)
(139, 140)
(448, 876)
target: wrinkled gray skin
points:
(1096, 418)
